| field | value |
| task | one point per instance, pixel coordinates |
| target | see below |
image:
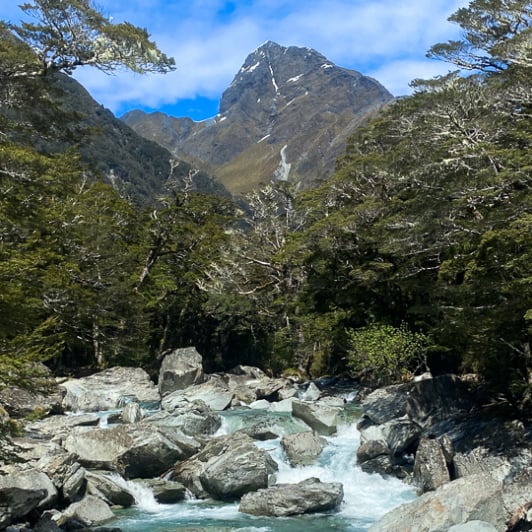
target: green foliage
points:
(424, 231)
(67, 35)
(383, 354)
(497, 34)
(67, 244)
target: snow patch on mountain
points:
(293, 80)
(275, 86)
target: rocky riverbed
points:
(75, 466)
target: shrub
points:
(383, 354)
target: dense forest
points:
(416, 255)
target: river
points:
(366, 496)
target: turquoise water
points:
(366, 497)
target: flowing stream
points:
(366, 496)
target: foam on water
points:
(144, 498)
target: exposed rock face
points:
(282, 500)
(430, 466)
(137, 167)
(107, 389)
(286, 115)
(477, 497)
(180, 369)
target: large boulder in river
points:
(179, 369)
(370, 449)
(250, 384)
(88, 512)
(302, 448)
(214, 393)
(22, 492)
(466, 499)
(282, 500)
(191, 417)
(67, 475)
(136, 450)
(401, 435)
(110, 489)
(108, 389)
(165, 491)
(321, 417)
(226, 468)
(385, 404)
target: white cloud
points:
(396, 76)
(210, 40)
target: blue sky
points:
(210, 39)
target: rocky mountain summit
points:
(286, 115)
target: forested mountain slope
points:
(416, 253)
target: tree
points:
(259, 275)
(497, 35)
(62, 287)
(67, 35)
(182, 239)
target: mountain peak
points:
(286, 115)
(273, 74)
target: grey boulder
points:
(302, 448)
(179, 369)
(282, 500)
(322, 418)
(430, 465)
(191, 417)
(88, 512)
(135, 450)
(109, 389)
(477, 497)
(228, 467)
(214, 393)
(22, 492)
